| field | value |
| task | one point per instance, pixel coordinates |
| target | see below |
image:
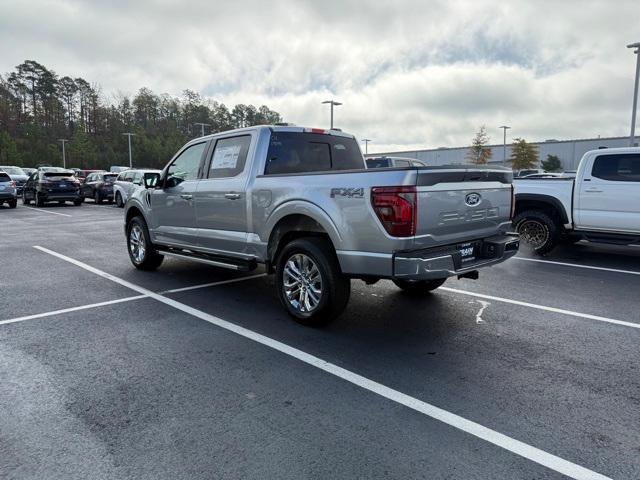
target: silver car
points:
(8, 191)
(126, 183)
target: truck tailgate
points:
(456, 205)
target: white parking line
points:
(71, 309)
(542, 307)
(590, 267)
(511, 444)
(48, 211)
(213, 284)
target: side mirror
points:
(151, 179)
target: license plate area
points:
(466, 253)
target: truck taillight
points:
(397, 209)
(513, 203)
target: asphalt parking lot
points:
(532, 371)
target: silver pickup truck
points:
(300, 202)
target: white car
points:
(393, 162)
(601, 204)
(126, 183)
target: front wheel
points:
(142, 253)
(119, 202)
(39, 201)
(310, 284)
(13, 203)
(97, 198)
(538, 230)
(419, 287)
(77, 202)
(25, 200)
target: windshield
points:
(110, 178)
(13, 170)
(50, 175)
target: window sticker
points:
(226, 157)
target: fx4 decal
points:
(347, 192)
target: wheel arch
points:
(546, 203)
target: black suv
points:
(99, 186)
(53, 185)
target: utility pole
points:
(366, 145)
(632, 137)
(202, 125)
(333, 103)
(64, 156)
(129, 135)
(504, 143)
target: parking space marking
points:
(213, 284)
(517, 447)
(47, 211)
(71, 309)
(590, 267)
(542, 307)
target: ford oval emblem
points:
(472, 199)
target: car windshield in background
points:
(293, 152)
(57, 174)
(4, 178)
(378, 162)
(13, 170)
(110, 178)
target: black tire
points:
(25, 200)
(419, 287)
(39, 201)
(77, 202)
(119, 202)
(97, 198)
(538, 230)
(13, 203)
(150, 259)
(335, 288)
(61, 202)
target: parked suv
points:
(51, 185)
(7, 190)
(99, 186)
(300, 201)
(126, 183)
(17, 175)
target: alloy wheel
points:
(302, 283)
(137, 245)
(533, 232)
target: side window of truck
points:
(617, 168)
(186, 166)
(229, 157)
(291, 152)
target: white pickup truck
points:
(602, 203)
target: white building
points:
(568, 151)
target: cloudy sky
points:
(411, 74)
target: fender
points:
(302, 207)
(546, 199)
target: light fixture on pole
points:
(333, 103)
(366, 145)
(202, 125)
(504, 143)
(64, 156)
(129, 135)
(632, 137)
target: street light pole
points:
(332, 103)
(64, 156)
(129, 135)
(202, 125)
(632, 137)
(504, 143)
(366, 145)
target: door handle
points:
(232, 196)
(593, 190)
(186, 196)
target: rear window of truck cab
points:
(293, 152)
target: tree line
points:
(39, 107)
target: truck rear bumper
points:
(449, 260)
(438, 262)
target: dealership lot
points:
(162, 380)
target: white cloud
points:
(410, 73)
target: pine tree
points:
(479, 153)
(551, 164)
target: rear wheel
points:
(119, 202)
(97, 198)
(25, 200)
(419, 287)
(142, 253)
(77, 202)
(39, 201)
(13, 203)
(310, 284)
(538, 230)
